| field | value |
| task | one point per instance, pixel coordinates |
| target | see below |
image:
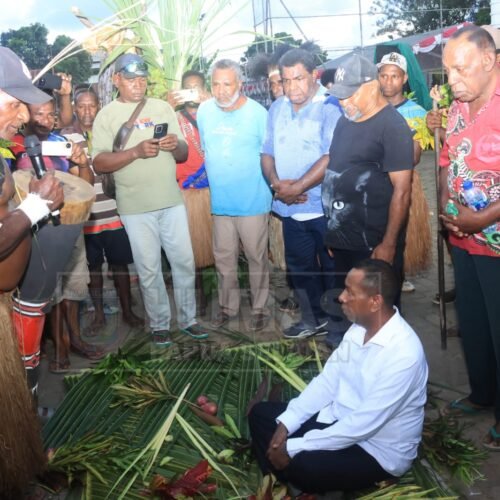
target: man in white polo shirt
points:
(360, 420)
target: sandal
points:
(462, 408)
(492, 440)
(89, 351)
(59, 366)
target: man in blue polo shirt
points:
(295, 155)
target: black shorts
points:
(112, 244)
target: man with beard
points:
(360, 420)
(232, 128)
(367, 187)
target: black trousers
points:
(313, 471)
(309, 266)
(478, 311)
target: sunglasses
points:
(135, 67)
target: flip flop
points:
(494, 444)
(459, 408)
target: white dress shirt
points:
(373, 393)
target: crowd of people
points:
(334, 164)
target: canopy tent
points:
(426, 47)
(429, 49)
(432, 42)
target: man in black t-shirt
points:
(367, 186)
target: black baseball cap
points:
(15, 79)
(131, 66)
(350, 75)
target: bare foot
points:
(95, 327)
(132, 320)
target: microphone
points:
(34, 150)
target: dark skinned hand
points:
(465, 223)
(148, 148)
(49, 188)
(384, 252)
(289, 191)
(169, 142)
(277, 448)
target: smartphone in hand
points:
(57, 148)
(188, 95)
(161, 130)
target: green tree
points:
(79, 66)
(264, 44)
(29, 43)
(407, 17)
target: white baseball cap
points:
(394, 58)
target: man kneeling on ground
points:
(360, 420)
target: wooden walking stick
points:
(440, 241)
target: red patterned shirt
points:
(472, 151)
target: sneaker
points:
(161, 338)
(407, 286)
(449, 297)
(259, 322)
(220, 320)
(289, 305)
(195, 331)
(301, 331)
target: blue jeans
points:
(148, 233)
(309, 265)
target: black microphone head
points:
(33, 145)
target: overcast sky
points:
(337, 31)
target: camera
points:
(49, 82)
(57, 148)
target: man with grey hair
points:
(232, 129)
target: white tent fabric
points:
(429, 44)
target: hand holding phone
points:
(160, 130)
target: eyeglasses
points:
(135, 67)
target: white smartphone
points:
(189, 95)
(57, 148)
